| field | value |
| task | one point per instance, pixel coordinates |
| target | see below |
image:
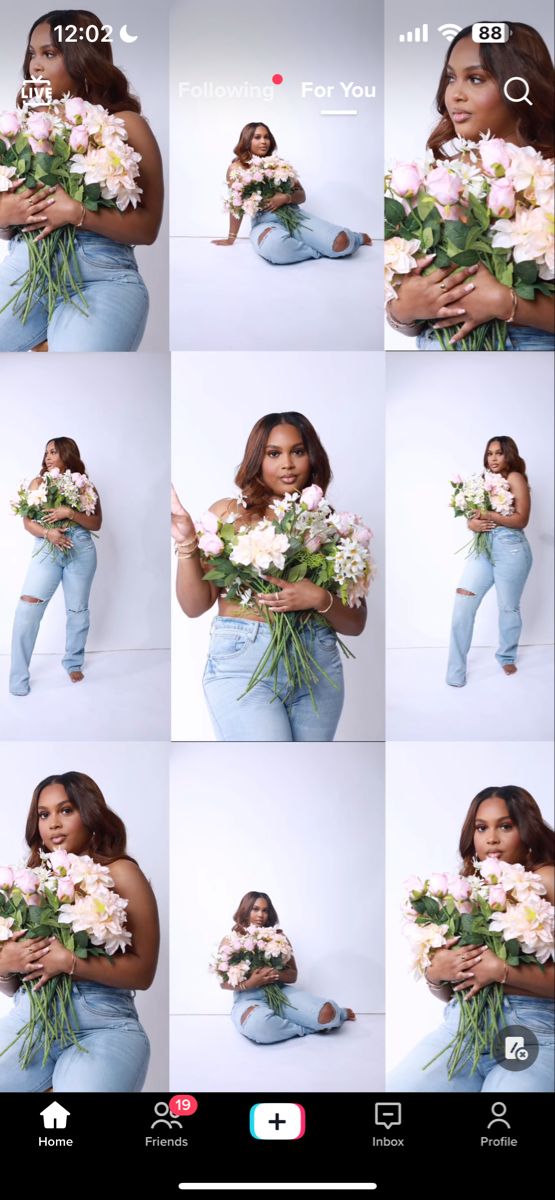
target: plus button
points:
(277, 1121)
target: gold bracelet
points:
(506, 975)
(4, 978)
(513, 309)
(186, 549)
(73, 965)
(78, 224)
(325, 610)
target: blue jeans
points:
(48, 568)
(108, 1028)
(512, 559)
(116, 298)
(534, 1013)
(264, 1026)
(313, 239)
(236, 647)
(519, 337)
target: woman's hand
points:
(26, 208)
(275, 202)
(263, 976)
(293, 597)
(59, 210)
(57, 514)
(488, 301)
(481, 523)
(21, 953)
(488, 969)
(55, 960)
(57, 537)
(442, 293)
(182, 525)
(454, 965)
(228, 241)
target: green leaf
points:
(394, 212)
(426, 205)
(526, 272)
(427, 238)
(467, 258)
(297, 573)
(92, 191)
(456, 233)
(526, 291)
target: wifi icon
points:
(449, 31)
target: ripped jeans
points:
(313, 239)
(48, 568)
(262, 1025)
(512, 559)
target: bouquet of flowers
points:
(242, 953)
(84, 149)
(57, 489)
(72, 898)
(486, 491)
(492, 205)
(249, 188)
(500, 907)
(305, 539)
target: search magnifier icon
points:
(518, 99)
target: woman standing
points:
(283, 455)
(68, 812)
(471, 100)
(66, 556)
(313, 238)
(507, 568)
(251, 1014)
(504, 823)
(115, 294)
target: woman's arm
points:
(490, 300)
(281, 198)
(304, 596)
(195, 594)
(521, 515)
(234, 222)
(93, 521)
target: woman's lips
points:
(460, 117)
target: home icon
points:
(55, 1116)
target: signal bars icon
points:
(415, 35)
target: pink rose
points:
(406, 179)
(311, 496)
(79, 139)
(75, 110)
(343, 522)
(362, 535)
(59, 861)
(210, 543)
(6, 878)
(414, 886)
(501, 199)
(497, 896)
(313, 543)
(438, 885)
(456, 479)
(443, 185)
(459, 888)
(66, 890)
(39, 125)
(10, 124)
(26, 881)
(494, 153)
(208, 523)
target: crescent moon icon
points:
(126, 36)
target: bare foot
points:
(76, 676)
(510, 669)
(366, 241)
(351, 1016)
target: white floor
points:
(125, 696)
(207, 1054)
(228, 298)
(492, 705)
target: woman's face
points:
(496, 459)
(52, 458)
(47, 61)
(260, 144)
(259, 912)
(473, 98)
(286, 465)
(59, 821)
(496, 835)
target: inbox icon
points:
(277, 1122)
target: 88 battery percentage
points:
(491, 31)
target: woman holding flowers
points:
(503, 836)
(259, 688)
(297, 1013)
(509, 173)
(64, 553)
(77, 842)
(505, 565)
(266, 188)
(96, 298)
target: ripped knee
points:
(31, 600)
(247, 1013)
(326, 1014)
(463, 592)
(341, 242)
(264, 234)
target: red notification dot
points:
(183, 1106)
(277, 78)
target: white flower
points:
(6, 928)
(531, 924)
(530, 235)
(260, 547)
(6, 174)
(424, 939)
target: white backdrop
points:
(440, 413)
(116, 408)
(133, 778)
(145, 63)
(429, 790)
(208, 439)
(309, 832)
(339, 159)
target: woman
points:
(504, 823)
(251, 1014)
(471, 100)
(314, 237)
(115, 295)
(508, 567)
(69, 812)
(283, 455)
(66, 556)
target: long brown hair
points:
(242, 916)
(242, 150)
(526, 55)
(69, 453)
(535, 834)
(90, 64)
(249, 476)
(509, 449)
(108, 837)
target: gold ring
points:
(442, 286)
